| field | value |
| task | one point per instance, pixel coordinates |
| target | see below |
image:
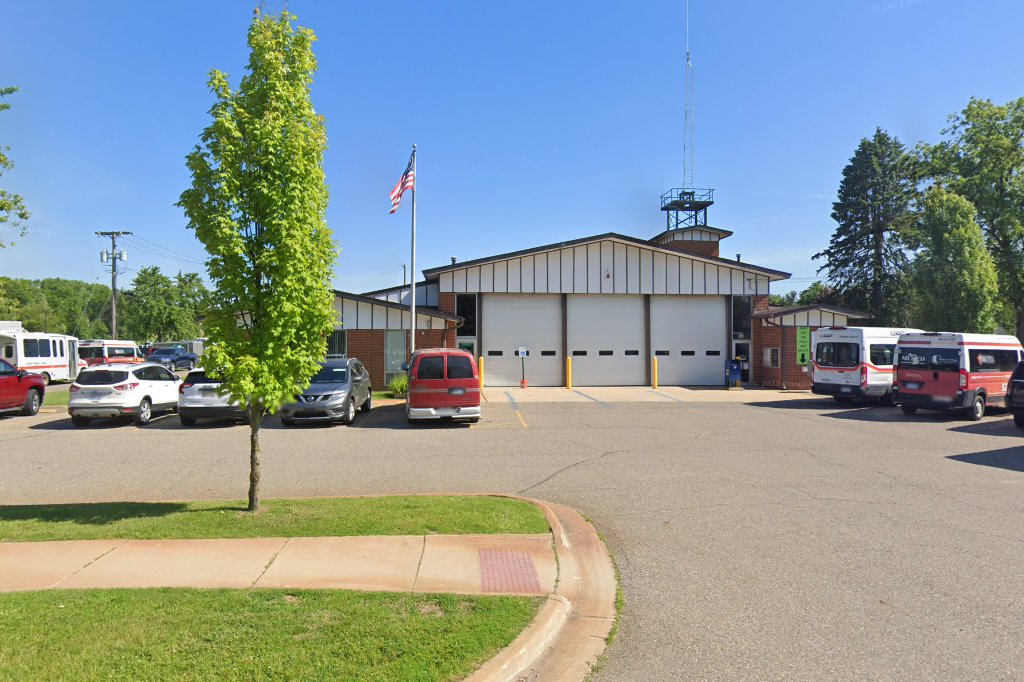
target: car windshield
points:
(165, 351)
(90, 353)
(101, 377)
(331, 374)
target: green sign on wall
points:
(803, 345)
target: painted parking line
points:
(515, 406)
(590, 397)
(665, 395)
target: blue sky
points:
(537, 122)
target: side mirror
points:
(405, 366)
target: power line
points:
(163, 248)
(167, 256)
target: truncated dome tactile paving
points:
(508, 571)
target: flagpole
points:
(412, 279)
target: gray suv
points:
(334, 394)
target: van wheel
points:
(888, 400)
(79, 421)
(908, 409)
(368, 405)
(977, 410)
(350, 411)
(46, 379)
(187, 421)
(1018, 419)
(32, 402)
(144, 413)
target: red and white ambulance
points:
(951, 371)
(854, 363)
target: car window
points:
(459, 367)
(6, 369)
(44, 348)
(836, 354)
(331, 374)
(30, 348)
(8, 351)
(90, 352)
(101, 377)
(121, 352)
(201, 378)
(882, 354)
(162, 374)
(991, 360)
(934, 359)
(430, 367)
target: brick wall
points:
(772, 377)
(760, 304)
(446, 302)
(690, 246)
(367, 345)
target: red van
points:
(443, 383)
(948, 371)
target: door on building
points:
(607, 340)
(514, 320)
(394, 353)
(688, 336)
(741, 352)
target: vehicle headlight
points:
(341, 395)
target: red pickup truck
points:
(20, 390)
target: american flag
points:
(407, 181)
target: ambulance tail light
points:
(964, 380)
(863, 376)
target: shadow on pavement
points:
(393, 417)
(992, 427)
(1011, 459)
(94, 514)
(165, 420)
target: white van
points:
(54, 356)
(854, 363)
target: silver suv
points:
(334, 394)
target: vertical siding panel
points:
(762, 285)
(738, 283)
(698, 277)
(607, 265)
(459, 278)
(540, 273)
(487, 278)
(445, 282)
(567, 269)
(363, 313)
(554, 271)
(646, 273)
(619, 269)
(632, 270)
(473, 283)
(579, 281)
(526, 275)
(514, 274)
(724, 280)
(593, 268)
(348, 312)
(672, 267)
(380, 317)
(501, 277)
(686, 276)
(660, 274)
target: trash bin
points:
(735, 374)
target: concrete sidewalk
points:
(639, 394)
(464, 564)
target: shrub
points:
(399, 385)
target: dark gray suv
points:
(335, 393)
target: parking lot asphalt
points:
(782, 538)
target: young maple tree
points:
(257, 203)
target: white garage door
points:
(606, 340)
(688, 338)
(514, 320)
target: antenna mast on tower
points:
(688, 110)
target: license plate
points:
(845, 389)
(92, 395)
(912, 385)
(208, 391)
(457, 391)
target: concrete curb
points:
(565, 639)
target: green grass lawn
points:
(179, 634)
(56, 398)
(409, 515)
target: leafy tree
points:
(786, 299)
(954, 271)
(257, 202)
(62, 306)
(983, 161)
(13, 213)
(815, 293)
(163, 309)
(867, 255)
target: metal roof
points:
(782, 311)
(420, 310)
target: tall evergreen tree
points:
(867, 255)
(983, 161)
(954, 274)
(258, 202)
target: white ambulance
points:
(54, 356)
(855, 363)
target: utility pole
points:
(113, 256)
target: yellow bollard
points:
(480, 366)
(568, 373)
(654, 372)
